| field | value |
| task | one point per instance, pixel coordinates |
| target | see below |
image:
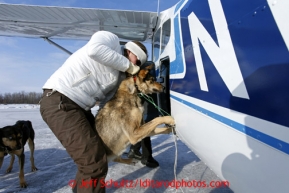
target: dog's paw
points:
(169, 120)
(23, 184)
(8, 170)
(34, 169)
(170, 129)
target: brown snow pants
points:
(75, 129)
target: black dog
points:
(12, 141)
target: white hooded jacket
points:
(90, 73)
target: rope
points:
(162, 112)
(151, 100)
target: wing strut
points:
(58, 46)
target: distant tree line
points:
(20, 98)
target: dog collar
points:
(134, 79)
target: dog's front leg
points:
(146, 129)
(21, 159)
(9, 169)
(21, 172)
(161, 130)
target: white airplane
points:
(225, 65)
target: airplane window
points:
(156, 45)
(166, 31)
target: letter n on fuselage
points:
(223, 56)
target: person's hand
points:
(132, 69)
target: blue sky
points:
(26, 63)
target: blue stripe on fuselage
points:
(179, 5)
(267, 139)
(177, 66)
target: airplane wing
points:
(74, 23)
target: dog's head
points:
(146, 82)
(11, 137)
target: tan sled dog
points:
(120, 122)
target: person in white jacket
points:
(93, 73)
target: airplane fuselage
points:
(228, 67)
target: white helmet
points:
(136, 50)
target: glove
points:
(132, 69)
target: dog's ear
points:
(149, 67)
(145, 70)
(19, 125)
(143, 73)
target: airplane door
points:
(164, 78)
(150, 111)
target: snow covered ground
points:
(56, 168)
